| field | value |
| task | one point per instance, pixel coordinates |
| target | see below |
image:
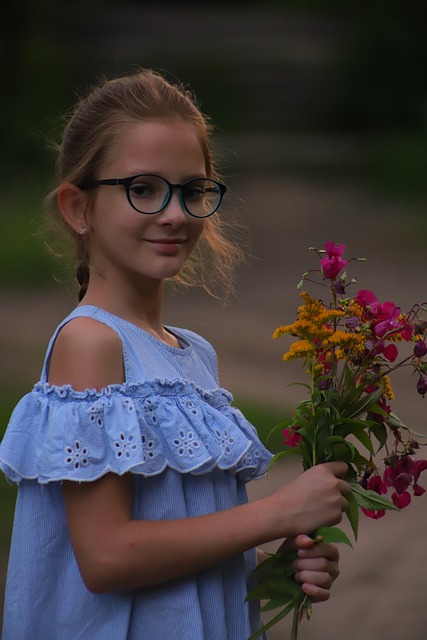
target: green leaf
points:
(271, 585)
(278, 563)
(371, 500)
(364, 438)
(380, 432)
(352, 513)
(280, 426)
(273, 603)
(332, 535)
(298, 384)
(291, 605)
(361, 405)
(301, 282)
(395, 421)
(281, 584)
(360, 462)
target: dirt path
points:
(381, 592)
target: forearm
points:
(141, 553)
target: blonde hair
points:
(88, 137)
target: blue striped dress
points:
(190, 453)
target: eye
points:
(200, 190)
(194, 193)
(142, 190)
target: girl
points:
(132, 520)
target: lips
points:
(166, 246)
(166, 240)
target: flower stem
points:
(298, 611)
(295, 623)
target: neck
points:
(138, 302)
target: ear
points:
(72, 203)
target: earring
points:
(82, 232)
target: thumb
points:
(301, 541)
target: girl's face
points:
(126, 243)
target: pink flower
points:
(291, 437)
(375, 515)
(386, 319)
(418, 490)
(401, 500)
(368, 299)
(333, 263)
(375, 484)
(390, 321)
(418, 466)
(401, 476)
(390, 352)
(334, 250)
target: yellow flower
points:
(301, 349)
(279, 332)
(387, 388)
(346, 340)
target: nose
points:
(174, 212)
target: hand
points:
(315, 499)
(316, 566)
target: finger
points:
(338, 468)
(317, 594)
(316, 569)
(344, 487)
(321, 579)
(320, 550)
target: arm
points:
(114, 551)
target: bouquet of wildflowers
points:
(350, 346)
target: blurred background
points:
(321, 129)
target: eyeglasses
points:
(150, 194)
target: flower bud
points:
(422, 385)
(338, 287)
(324, 384)
(420, 349)
(352, 323)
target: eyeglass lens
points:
(150, 194)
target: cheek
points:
(198, 229)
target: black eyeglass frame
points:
(126, 182)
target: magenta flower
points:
(402, 476)
(375, 484)
(386, 318)
(391, 322)
(376, 347)
(390, 352)
(401, 500)
(333, 263)
(291, 437)
(369, 300)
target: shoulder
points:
(87, 354)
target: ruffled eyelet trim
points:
(58, 433)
